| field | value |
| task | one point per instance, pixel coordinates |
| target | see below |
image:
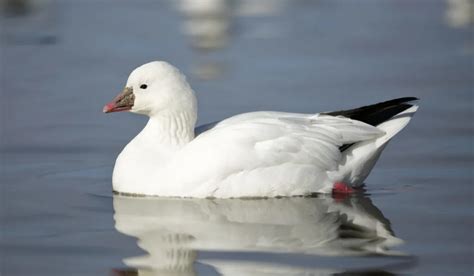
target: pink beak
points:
(124, 101)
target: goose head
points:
(154, 88)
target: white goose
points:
(257, 154)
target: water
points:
(62, 60)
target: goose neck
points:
(171, 129)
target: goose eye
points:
(143, 86)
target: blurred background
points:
(61, 61)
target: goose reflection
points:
(171, 231)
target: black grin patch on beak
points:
(126, 98)
(123, 102)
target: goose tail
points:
(360, 158)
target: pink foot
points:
(341, 190)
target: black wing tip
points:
(376, 114)
(400, 100)
(409, 99)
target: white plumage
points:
(258, 154)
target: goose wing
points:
(268, 153)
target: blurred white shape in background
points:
(208, 25)
(207, 22)
(459, 13)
